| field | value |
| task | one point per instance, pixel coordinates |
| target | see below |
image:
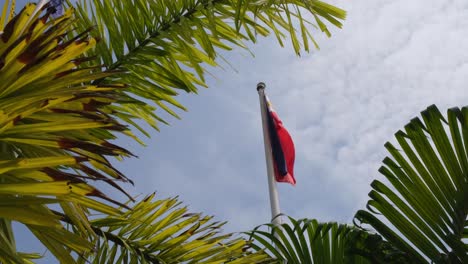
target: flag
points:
(282, 146)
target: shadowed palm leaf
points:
(427, 201)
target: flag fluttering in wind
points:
(282, 146)
(279, 153)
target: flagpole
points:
(272, 188)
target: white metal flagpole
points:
(274, 200)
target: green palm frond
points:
(163, 231)
(55, 128)
(307, 241)
(426, 199)
(165, 46)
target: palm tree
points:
(69, 82)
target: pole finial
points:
(261, 85)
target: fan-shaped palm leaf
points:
(426, 199)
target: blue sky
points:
(341, 104)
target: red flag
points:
(282, 147)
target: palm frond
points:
(165, 46)
(426, 198)
(163, 231)
(55, 128)
(307, 241)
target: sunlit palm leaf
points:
(167, 45)
(54, 133)
(162, 231)
(426, 199)
(307, 241)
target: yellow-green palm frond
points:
(55, 132)
(166, 46)
(163, 231)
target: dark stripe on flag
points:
(276, 149)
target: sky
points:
(340, 104)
